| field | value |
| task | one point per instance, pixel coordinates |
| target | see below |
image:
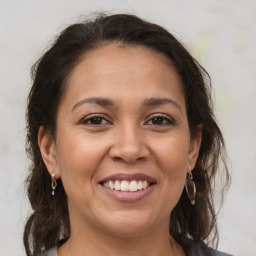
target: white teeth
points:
(139, 185)
(144, 184)
(106, 184)
(111, 184)
(125, 185)
(117, 185)
(133, 186)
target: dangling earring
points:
(190, 188)
(54, 183)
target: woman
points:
(123, 142)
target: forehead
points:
(127, 72)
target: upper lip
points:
(128, 177)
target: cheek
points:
(77, 161)
(173, 155)
(77, 150)
(173, 161)
(174, 169)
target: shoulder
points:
(199, 249)
(51, 252)
(204, 250)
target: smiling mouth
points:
(127, 186)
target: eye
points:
(95, 120)
(160, 120)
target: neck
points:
(93, 241)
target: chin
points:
(127, 223)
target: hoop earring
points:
(54, 183)
(190, 188)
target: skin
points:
(128, 138)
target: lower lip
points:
(128, 196)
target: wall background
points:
(221, 34)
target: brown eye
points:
(160, 120)
(95, 120)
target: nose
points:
(129, 145)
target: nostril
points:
(125, 159)
(128, 151)
(117, 158)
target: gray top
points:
(190, 247)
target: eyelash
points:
(162, 117)
(165, 118)
(91, 117)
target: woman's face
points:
(122, 146)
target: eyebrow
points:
(161, 101)
(104, 102)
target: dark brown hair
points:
(49, 221)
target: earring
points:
(190, 188)
(54, 183)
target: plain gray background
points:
(221, 34)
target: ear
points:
(194, 148)
(48, 151)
